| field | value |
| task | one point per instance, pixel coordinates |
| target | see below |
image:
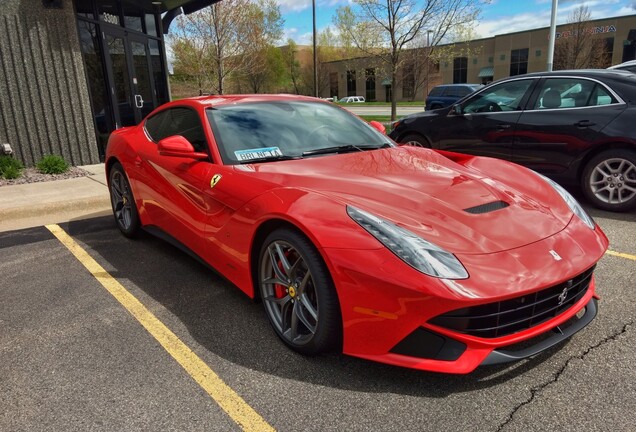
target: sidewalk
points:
(35, 204)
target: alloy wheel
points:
(121, 199)
(289, 293)
(613, 181)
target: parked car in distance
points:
(397, 254)
(447, 94)
(628, 66)
(576, 127)
(352, 99)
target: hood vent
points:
(487, 208)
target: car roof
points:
(627, 63)
(586, 73)
(219, 100)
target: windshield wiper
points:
(269, 159)
(342, 149)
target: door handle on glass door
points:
(139, 102)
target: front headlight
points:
(420, 254)
(571, 202)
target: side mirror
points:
(456, 110)
(378, 126)
(178, 146)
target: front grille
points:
(521, 313)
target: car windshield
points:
(277, 130)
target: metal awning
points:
(174, 8)
(486, 72)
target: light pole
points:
(313, 5)
(555, 4)
(428, 59)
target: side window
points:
(177, 121)
(500, 97)
(556, 93)
(158, 126)
(436, 91)
(186, 122)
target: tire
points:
(415, 140)
(609, 180)
(303, 306)
(123, 202)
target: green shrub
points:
(52, 164)
(10, 168)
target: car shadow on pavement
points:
(228, 324)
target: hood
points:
(427, 193)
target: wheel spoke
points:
(278, 301)
(300, 314)
(303, 283)
(275, 280)
(612, 192)
(309, 307)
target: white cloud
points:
(541, 18)
(301, 5)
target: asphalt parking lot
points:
(72, 357)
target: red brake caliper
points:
(280, 291)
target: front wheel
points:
(415, 140)
(298, 294)
(609, 180)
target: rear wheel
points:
(415, 140)
(123, 202)
(609, 180)
(298, 294)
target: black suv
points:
(447, 94)
(576, 127)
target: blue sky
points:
(500, 16)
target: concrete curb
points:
(82, 205)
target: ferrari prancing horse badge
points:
(215, 180)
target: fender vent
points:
(487, 208)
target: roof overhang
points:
(173, 8)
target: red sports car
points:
(403, 255)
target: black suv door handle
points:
(503, 126)
(584, 124)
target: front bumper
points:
(499, 356)
(385, 302)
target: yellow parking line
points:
(622, 255)
(243, 414)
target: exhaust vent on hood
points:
(487, 208)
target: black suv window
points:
(177, 121)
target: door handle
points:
(584, 124)
(139, 102)
(503, 127)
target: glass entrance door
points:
(129, 70)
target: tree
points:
(577, 47)
(384, 30)
(221, 40)
(292, 64)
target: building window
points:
(408, 82)
(370, 84)
(519, 61)
(333, 84)
(460, 70)
(351, 83)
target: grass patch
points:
(10, 168)
(52, 164)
